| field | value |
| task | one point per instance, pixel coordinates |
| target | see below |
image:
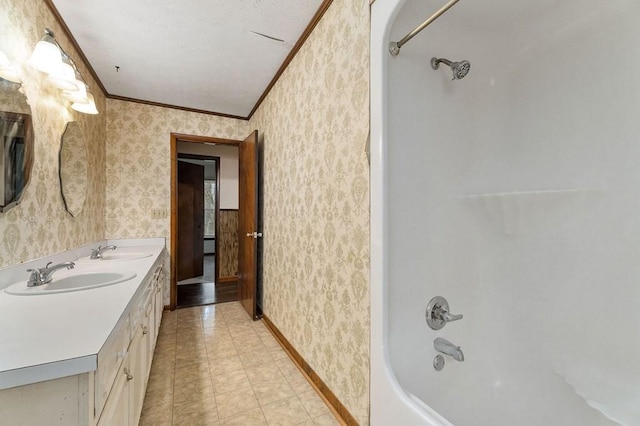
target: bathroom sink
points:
(71, 282)
(115, 257)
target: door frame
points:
(175, 138)
(217, 201)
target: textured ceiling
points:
(199, 54)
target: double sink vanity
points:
(78, 349)
(78, 333)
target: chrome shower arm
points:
(394, 46)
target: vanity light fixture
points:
(79, 95)
(46, 56)
(88, 107)
(8, 71)
(49, 57)
(64, 77)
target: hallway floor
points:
(203, 290)
(208, 272)
(213, 365)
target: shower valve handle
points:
(437, 314)
(447, 317)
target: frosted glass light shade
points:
(64, 77)
(8, 71)
(86, 108)
(46, 56)
(4, 59)
(79, 95)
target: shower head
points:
(460, 69)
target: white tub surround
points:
(513, 193)
(74, 343)
(390, 404)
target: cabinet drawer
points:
(138, 309)
(146, 314)
(148, 309)
(109, 359)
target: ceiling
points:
(204, 55)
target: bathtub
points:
(514, 193)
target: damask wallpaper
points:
(315, 124)
(316, 207)
(139, 164)
(40, 225)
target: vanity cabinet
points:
(141, 355)
(113, 394)
(124, 403)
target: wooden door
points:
(190, 231)
(248, 232)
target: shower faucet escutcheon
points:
(437, 314)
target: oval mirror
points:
(73, 168)
(16, 142)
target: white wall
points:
(228, 168)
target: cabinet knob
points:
(129, 376)
(144, 329)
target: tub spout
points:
(446, 347)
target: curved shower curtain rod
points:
(394, 46)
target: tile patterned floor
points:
(213, 365)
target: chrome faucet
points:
(43, 275)
(446, 347)
(97, 253)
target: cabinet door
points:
(110, 360)
(159, 303)
(116, 409)
(138, 362)
(148, 333)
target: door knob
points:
(438, 315)
(254, 234)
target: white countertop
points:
(50, 336)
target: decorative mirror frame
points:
(23, 120)
(74, 197)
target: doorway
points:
(236, 225)
(198, 207)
